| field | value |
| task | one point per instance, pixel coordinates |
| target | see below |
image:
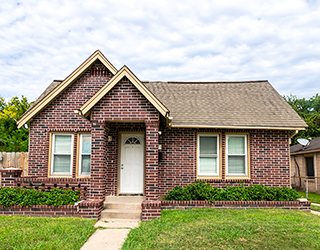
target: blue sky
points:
(162, 40)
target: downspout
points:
(290, 136)
(168, 120)
(297, 165)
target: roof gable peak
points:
(97, 55)
(123, 72)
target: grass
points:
(315, 208)
(20, 232)
(228, 229)
(313, 197)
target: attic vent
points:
(99, 71)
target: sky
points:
(163, 40)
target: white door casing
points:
(132, 163)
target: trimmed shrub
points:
(28, 197)
(201, 190)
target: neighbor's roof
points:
(245, 104)
(314, 146)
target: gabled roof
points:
(314, 146)
(238, 105)
(245, 104)
(123, 72)
(57, 87)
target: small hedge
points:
(201, 190)
(28, 197)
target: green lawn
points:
(20, 232)
(313, 197)
(315, 208)
(228, 229)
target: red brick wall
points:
(269, 154)
(152, 209)
(60, 116)
(85, 209)
(125, 103)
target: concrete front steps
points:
(122, 207)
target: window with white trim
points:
(62, 147)
(208, 155)
(237, 155)
(85, 154)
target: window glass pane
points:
(236, 145)
(63, 144)
(236, 164)
(61, 163)
(86, 144)
(85, 164)
(208, 145)
(208, 165)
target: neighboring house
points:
(305, 161)
(104, 128)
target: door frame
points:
(119, 158)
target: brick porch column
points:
(98, 165)
(151, 173)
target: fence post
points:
(307, 187)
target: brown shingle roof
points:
(220, 104)
(51, 87)
(313, 146)
(226, 104)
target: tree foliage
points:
(13, 139)
(309, 111)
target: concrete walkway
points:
(110, 234)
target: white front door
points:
(131, 163)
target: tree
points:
(309, 111)
(13, 139)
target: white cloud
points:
(161, 40)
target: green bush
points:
(28, 197)
(201, 190)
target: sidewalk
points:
(110, 234)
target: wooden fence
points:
(15, 160)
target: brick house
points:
(104, 130)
